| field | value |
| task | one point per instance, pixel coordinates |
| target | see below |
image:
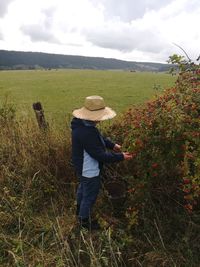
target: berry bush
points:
(164, 137)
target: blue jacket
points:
(89, 149)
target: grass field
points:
(60, 91)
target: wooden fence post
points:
(39, 113)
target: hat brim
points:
(96, 115)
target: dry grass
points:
(37, 192)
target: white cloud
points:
(127, 37)
(38, 32)
(43, 29)
(4, 6)
(154, 33)
(129, 10)
(144, 31)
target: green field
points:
(60, 91)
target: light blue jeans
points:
(87, 193)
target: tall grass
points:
(37, 192)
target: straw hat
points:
(94, 109)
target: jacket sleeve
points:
(93, 146)
(109, 144)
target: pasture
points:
(61, 91)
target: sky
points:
(142, 30)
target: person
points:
(89, 152)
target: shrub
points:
(164, 137)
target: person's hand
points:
(117, 148)
(127, 155)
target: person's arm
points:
(109, 144)
(93, 146)
(114, 146)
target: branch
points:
(183, 52)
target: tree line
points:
(37, 60)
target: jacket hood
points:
(75, 123)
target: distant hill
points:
(35, 60)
